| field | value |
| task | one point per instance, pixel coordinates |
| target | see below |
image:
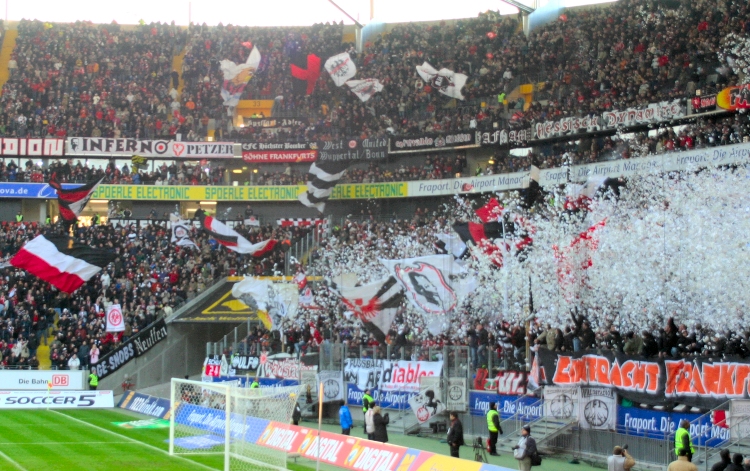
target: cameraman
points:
(620, 460)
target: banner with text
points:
(10, 146)
(104, 146)
(56, 399)
(458, 397)
(258, 152)
(561, 402)
(662, 425)
(433, 142)
(698, 382)
(282, 368)
(134, 347)
(653, 113)
(528, 408)
(342, 451)
(17, 380)
(597, 408)
(145, 404)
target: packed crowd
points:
(150, 278)
(91, 80)
(83, 79)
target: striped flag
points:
(72, 201)
(60, 261)
(232, 240)
(323, 177)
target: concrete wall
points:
(181, 353)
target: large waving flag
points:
(72, 201)
(444, 80)
(236, 77)
(275, 301)
(376, 302)
(366, 88)
(341, 68)
(431, 283)
(232, 240)
(60, 261)
(181, 233)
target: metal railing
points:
(739, 429)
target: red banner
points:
(339, 450)
(358, 454)
(282, 156)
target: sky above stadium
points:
(252, 12)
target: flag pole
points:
(320, 421)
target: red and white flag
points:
(115, 320)
(60, 261)
(72, 201)
(231, 239)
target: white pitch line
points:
(13, 462)
(132, 440)
(64, 443)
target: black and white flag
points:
(366, 88)
(444, 80)
(334, 157)
(181, 233)
(341, 68)
(434, 284)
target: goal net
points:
(198, 425)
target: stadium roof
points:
(256, 12)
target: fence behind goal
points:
(198, 425)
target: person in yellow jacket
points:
(93, 380)
(682, 440)
(493, 425)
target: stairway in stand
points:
(9, 43)
(177, 65)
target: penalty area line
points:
(132, 440)
(12, 461)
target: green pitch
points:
(77, 440)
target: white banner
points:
(452, 186)
(18, 380)
(675, 161)
(458, 396)
(429, 402)
(365, 373)
(115, 321)
(653, 113)
(333, 385)
(56, 399)
(739, 418)
(561, 402)
(281, 368)
(598, 408)
(404, 375)
(85, 146)
(31, 147)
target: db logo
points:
(60, 380)
(423, 415)
(352, 144)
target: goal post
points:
(198, 425)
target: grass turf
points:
(77, 440)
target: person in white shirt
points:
(524, 449)
(74, 363)
(620, 460)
